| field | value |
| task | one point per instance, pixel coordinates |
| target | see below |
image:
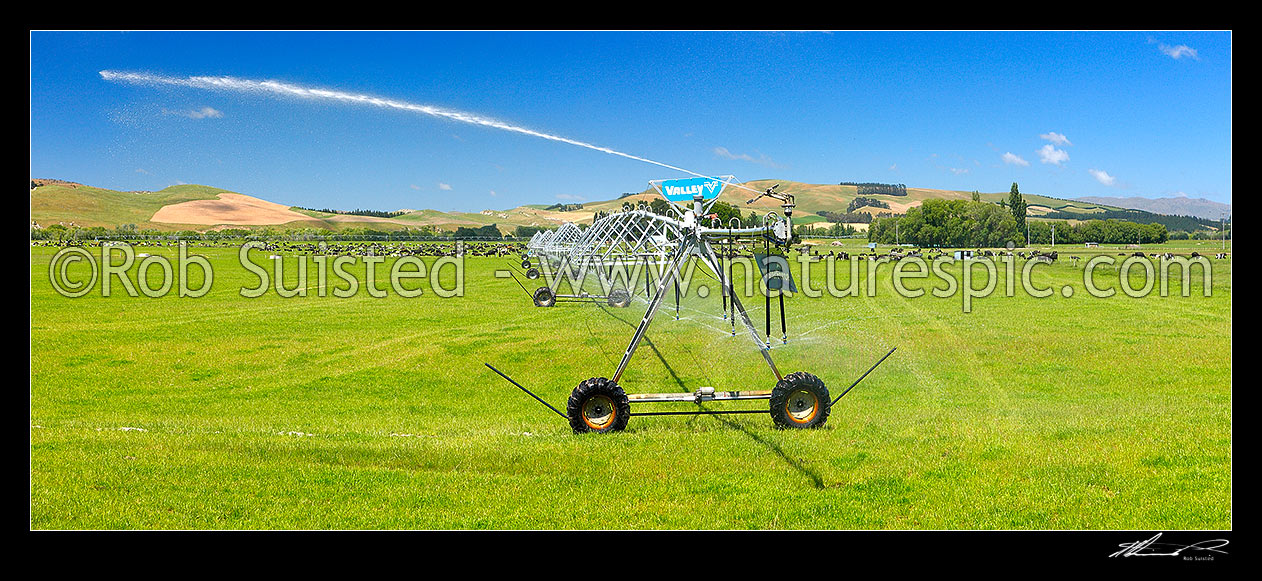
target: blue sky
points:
(1062, 114)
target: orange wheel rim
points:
(801, 406)
(599, 412)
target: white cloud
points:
(1179, 51)
(1014, 159)
(442, 186)
(570, 197)
(1056, 138)
(1049, 154)
(1102, 176)
(203, 113)
(760, 160)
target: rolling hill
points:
(196, 207)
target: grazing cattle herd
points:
(499, 249)
(398, 249)
(387, 249)
(935, 253)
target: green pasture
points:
(226, 412)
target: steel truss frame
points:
(637, 234)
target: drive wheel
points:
(619, 298)
(544, 297)
(598, 405)
(800, 400)
(532, 274)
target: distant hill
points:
(1177, 206)
(55, 201)
(196, 207)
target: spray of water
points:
(282, 89)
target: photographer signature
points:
(1151, 548)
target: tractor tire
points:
(619, 298)
(800, 400)
(544, 297)
(598, 405)
(532, 274)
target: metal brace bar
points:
(510, 380)
(700, 413)
(865, 374)
(683, 252)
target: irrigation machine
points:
(600, 404)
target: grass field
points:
(323, 412)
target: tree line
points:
(948, 223)
(860, 202)
(1184, 223)
(964, 223)
(869, 188)
(835, 230)
(62, 233)
(356, 212)
(488, 231)
(852, 217)
(723, 213)
(1110, 231)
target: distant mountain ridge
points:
(1175, 206)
